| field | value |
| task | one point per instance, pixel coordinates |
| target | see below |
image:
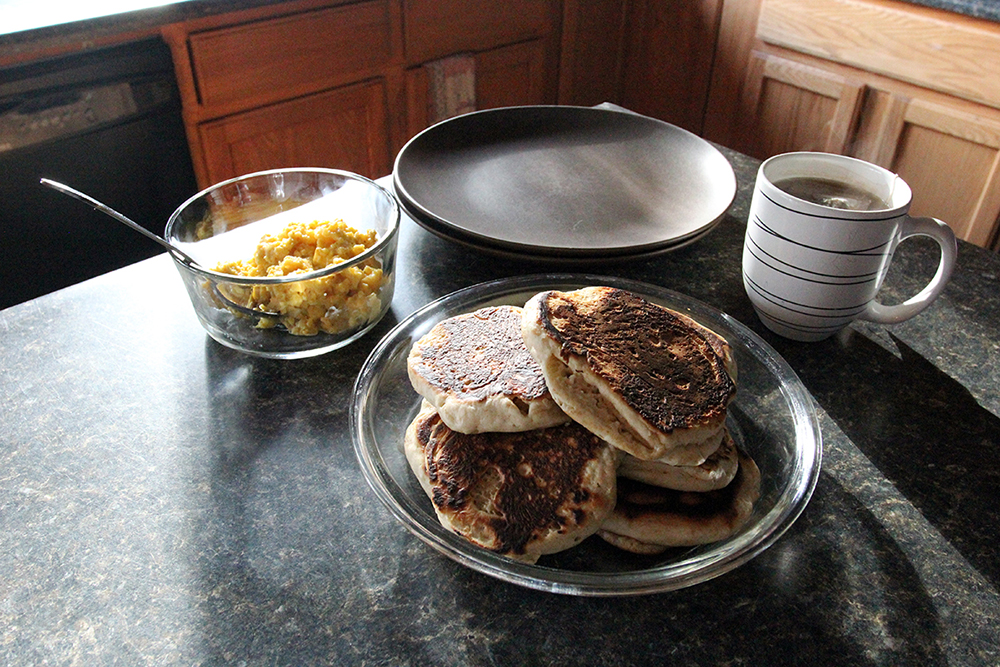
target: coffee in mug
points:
(820, 237)
(828, 192)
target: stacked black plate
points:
(563, 183)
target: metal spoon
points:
(103, 208)
(66, 190)
(255, 313)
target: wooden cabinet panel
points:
(931, 48)
(437, 28)
(508, 76)
(417, 101)
(913, 89)
(736, 40)
(345, 128)
(652, 56)
(511, 76)
(948, 156)
(590, 59)
(667, 58)
(271, 60)
(791, 106)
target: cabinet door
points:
(949, 155)
(846, 76)
(667, 58)
(511, 75)
(345, 128)
(791, 106)
(590, 57)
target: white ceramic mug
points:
(811, 269)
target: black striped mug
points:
(820, 236)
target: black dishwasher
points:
(108, 123)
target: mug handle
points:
(945, 237)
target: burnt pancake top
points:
(520, 485)
(478, 355)
(666, 370)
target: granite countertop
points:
(166, 500)
(983, 9)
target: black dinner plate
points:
(563, 182)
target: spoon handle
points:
(65, 189)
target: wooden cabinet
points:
(343, 128)
(279, 58)
(287, 85)
(511, 51)
(591, 51)
(667, 58)
(514, 75)
(341, 83)
(788, 105)
(652, 56)
(506, 76)
(900, 86)
(949, 154)
(438, 28)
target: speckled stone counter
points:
(167, 501)
(982, 9)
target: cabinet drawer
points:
(437, 28)
(273, 59)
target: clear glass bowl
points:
(772, 418)
(225, 223)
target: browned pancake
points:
(518, 494)
(650, 519)
(663, 368)
(645, 378)
(475, 369)
(720, 346)
(716, 472)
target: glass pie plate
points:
(772, 418)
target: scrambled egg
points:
(333, 304)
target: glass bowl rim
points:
(379, 245)
(717, 561)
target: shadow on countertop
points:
(924, 431)
(294, 568)
(812, 598)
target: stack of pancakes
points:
(592, 411)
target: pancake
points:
(647, 379)
(522, 494)
(719, 345)
(475, 369)
(650, 519)
(717, 471)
